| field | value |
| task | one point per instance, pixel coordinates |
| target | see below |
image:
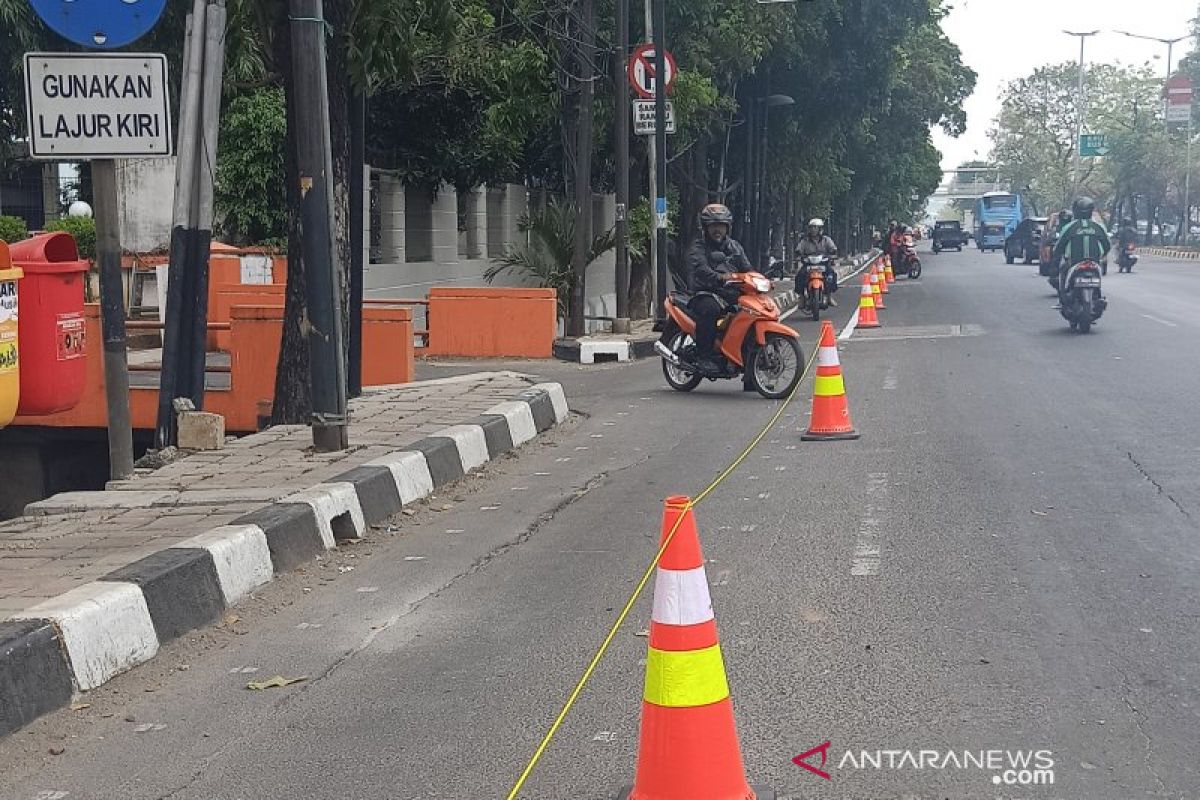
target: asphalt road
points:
(1031, 493)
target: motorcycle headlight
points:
(762, 284)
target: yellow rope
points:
(637, 591)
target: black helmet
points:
(1084, 207)
(713, 213)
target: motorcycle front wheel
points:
(914, 269)
(679, 378)
(815, 301)
(776, 367)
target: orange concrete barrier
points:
(224, 296)
(492, 322)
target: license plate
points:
(1087, 281)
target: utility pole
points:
(660, 146)
(1079, 110)
(358, 125)
(621, 86)
(327, 366)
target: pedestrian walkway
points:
(76, 537)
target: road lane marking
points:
(867, 560)
(1160, 321)
(848, 331)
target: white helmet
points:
(816, 222)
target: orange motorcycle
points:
(750, 337)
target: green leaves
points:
(250, 194)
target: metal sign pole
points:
(112, 319)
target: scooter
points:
(816, 293)
(909, 265)
(1127, 258)
(750, 337)
(1080, 301)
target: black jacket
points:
(706, 271)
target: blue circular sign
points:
(100, 24)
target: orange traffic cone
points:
(867, 318)
(883, 281)
(689, 747)
(830, 413)
(887, 270)
(876, 292)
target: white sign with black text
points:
(97, 105)
(643, 117)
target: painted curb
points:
(79, 640)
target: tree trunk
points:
(293, 403)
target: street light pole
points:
(1170, 43)
(621, 115)
(1079, 110)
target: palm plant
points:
(544, 257)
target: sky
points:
(1003, 40)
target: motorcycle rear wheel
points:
(776, 368)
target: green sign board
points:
(1093, 144)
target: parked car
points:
(1026, 240)
(948, 233)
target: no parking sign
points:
(642, 71)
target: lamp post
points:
(1079, 111)
(760, 228)
(1170, 43)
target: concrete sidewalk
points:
(92, 582)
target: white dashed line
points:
(1160, 321)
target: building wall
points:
(146, 187)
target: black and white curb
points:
(79, 640)
(1163, 252)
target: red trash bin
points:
(51, 325)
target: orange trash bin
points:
(10, 372)
(51, 324)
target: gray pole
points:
(1079, 111)
(175, 328)
(192, 360)
(112, 319)
(660, 145)
(314, 161)
(1187, 186)
(621, 324)
(652, 182)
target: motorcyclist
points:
(895, 241)
(816, 243)
(711, 259)
(1126, 235)
(1081, 240)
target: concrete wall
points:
(146, 187)
(452, 236)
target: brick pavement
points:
(77, 537)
